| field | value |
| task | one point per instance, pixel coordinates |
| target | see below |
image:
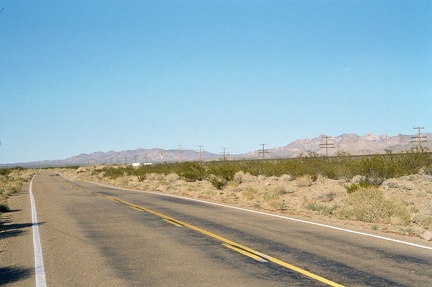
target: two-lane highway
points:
(92, 235)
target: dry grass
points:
(370, 205)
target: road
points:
(93, 235)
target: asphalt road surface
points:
(92, 235)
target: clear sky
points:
(83, 76)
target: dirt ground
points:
(403, 207)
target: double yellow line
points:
(261, 257)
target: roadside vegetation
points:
(390, 192)
(375, 169)
(11, 182)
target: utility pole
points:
(180, 152)
(327, 145)
(419, 138)
(263, 151)
(126, 159)
(224, 153)
(146, 156)
(200, 152)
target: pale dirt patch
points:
(320, 200)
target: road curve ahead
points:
(92, 235)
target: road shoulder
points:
(16, 245)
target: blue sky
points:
(84, 76)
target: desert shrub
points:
(153, 176)
(322, 209)
(277, 205)
(270, 196)
(281, 189)
(5, 171)
(217, 182)
(305, 180)
(110, 172)
(10, 189)
(370, 205)
(224, 171)
(299, 168)
(192, 171)
(378, 168)
(362, 184)
(286, 177)
(241, 177)
(327, 197)
(141, 176)
(113, 173)
(415, 159)
(172, 177)
(352, 187)
(72, 167)
(249, 193)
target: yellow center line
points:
(228, 243)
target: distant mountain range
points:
(350, 143)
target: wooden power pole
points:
(419, 138)
(263, 151)
(200, 152)
(326, 145)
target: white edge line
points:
(39, 265)
(274, 215)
